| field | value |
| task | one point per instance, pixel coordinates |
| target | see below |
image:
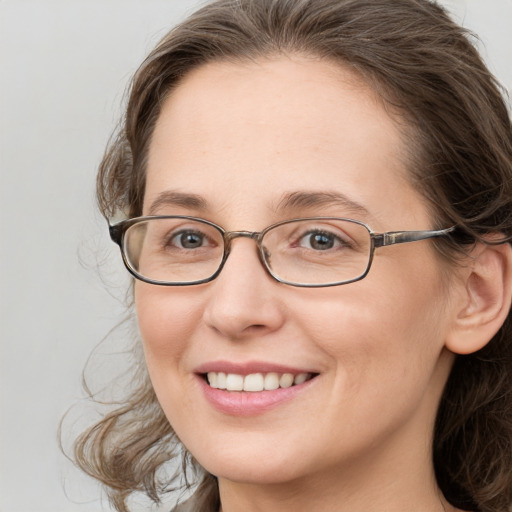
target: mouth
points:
(252, 388)
(255, 382)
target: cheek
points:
(167, 318)
(384, 332)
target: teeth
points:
(213, 380)
(255, 382)
(234, 382)
(286, 380)
(301, 378)
(271, 381)
(221, 380)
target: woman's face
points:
(247, 145)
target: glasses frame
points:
(117, 234)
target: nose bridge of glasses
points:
(229, 236)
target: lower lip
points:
(247, 403)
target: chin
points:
(254, 474)
(251, 463)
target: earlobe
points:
(486, 298)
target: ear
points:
(486, 290)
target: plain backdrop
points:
(64, 65)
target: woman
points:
(318, 195)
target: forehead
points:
(243, 134)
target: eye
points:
(188, 240)
(320, 240)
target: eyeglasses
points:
(311, 252)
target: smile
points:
(251, 394)
(255, 382)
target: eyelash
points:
(170, 239)
(338, 241)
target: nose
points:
(244, 299)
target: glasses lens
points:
(317, 252)
(173, 250)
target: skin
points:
(242, 136)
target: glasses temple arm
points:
(402, 237)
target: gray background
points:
(64, 67)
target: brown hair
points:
(460, 143)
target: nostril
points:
(256, 327)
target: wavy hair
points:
(459, 137)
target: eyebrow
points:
(310, 200)
(169, 198)
(299, 200)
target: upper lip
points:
(248, 368)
